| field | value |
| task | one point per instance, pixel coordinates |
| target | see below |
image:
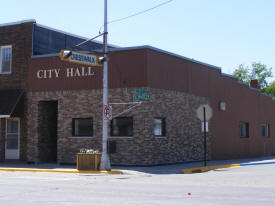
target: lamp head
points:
(66, 54)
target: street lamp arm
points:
(84, 42)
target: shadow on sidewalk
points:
(176, 168)
(37, 166)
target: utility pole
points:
(105, 161)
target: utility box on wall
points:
(111, 147)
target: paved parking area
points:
(250, 185)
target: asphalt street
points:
(249, 185)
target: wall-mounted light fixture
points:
(222, 106)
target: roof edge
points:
(255, 89)
(230, 75)
(4, 116)
(18, 22)
(165, 52)
(44, 55)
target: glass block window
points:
(5, 59)
(159, 127)
(265, 130)
(244, 129)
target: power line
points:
(135, 14)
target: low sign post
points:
(107, 112)
(204, 113)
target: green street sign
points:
(141, 95)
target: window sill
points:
(120, 137)
(5, 73)
(88, 137)
(160, 137)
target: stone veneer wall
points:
(183, 141)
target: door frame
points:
(17, 157)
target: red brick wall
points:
(20, 37)
(242, 104)
(126, 69)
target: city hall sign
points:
(67, 72)
(90, 62)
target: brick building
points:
(50, 109)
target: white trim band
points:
(4, 116)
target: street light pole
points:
(105, 161)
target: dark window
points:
(82, 127)
(265, 130)
(159, 127)
(122, 127)
(244, 129)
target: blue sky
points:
(224, 33)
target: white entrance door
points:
(12, 138)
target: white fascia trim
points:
(229, 75)
(57, 54)
(45, 55)
(266, 95)
(54, 54)
(242, 83)
(88, 137)
(165, 52)
(4, 116)
(247, 85)
(252, 88)
(70, 34)
(139, 47)
(18, 22)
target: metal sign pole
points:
(204, 129)
(105, 161)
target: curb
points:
(207, 168)
(116, 172)
(257, 163)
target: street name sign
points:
(80, 58)
(140, 95)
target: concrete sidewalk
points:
(164, 169)
(177, 168)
